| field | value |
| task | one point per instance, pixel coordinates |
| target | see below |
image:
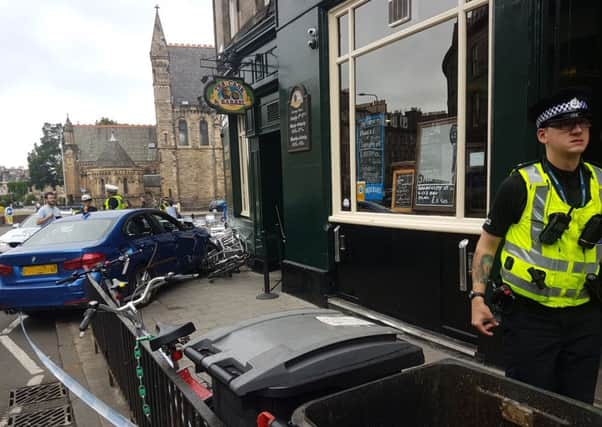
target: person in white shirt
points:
(49, 212)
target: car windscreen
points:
(89, 230)
(29, 222)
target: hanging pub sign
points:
(299, 122)
(229, 95)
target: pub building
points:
(397, 121)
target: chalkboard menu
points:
(370, 134)
(436, 165)
(403, 190)
(299, 129)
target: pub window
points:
(411, 119)
(182, 132)
(259, 67)
(204, 132)
(243, 150)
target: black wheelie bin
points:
(446, 393)
(277, 362)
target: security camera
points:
(311, 32)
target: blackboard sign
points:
(436, 165)
(299, 129)
(370, 135)
(403, 190)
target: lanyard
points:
(559, 189)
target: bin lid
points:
(291, 348)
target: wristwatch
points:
(473, 294)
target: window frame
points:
(243, 156)
(457, 223)
(187, 142)
(203, 133)
(164, 218)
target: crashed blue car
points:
(159, 243)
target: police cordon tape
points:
(76, 388)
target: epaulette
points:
(594, 164)
(522, 165)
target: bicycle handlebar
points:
(127, 310)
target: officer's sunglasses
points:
(570, 124)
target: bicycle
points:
(169, 339)
(226, 253)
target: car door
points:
(184, 239)
(139, 232)
(167, 238)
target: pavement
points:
(215, 303)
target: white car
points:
(19, 233)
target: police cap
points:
(569, 103)
(111, 188)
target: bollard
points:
(267, 292)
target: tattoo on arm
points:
(484, 268)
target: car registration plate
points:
(34, 270)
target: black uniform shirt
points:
(511, 198)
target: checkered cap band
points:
(566, 107)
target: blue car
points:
(160, 244)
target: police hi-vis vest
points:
(564, 262)
(120, 202)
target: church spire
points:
(158, 44)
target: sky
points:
(85, 59)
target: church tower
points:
(168, 166)
(70, 164)
(191, 155)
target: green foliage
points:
(45, 162)
(18, 189)
(29, 199)
(106, 121)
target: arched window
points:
(204, 132)
(102, 186)
(125, 186)
(183, 132)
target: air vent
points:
(399, 12)
(273, 111)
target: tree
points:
(45, 161)
(18, 189)
(106, 121)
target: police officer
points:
(541, 213)
(113, 200)
(87, 206)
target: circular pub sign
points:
(229, 95)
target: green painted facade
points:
(306, 174)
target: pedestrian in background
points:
(49, 212)
(548, 214)
(113, 200)
(87, 206)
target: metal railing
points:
(171, 401)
